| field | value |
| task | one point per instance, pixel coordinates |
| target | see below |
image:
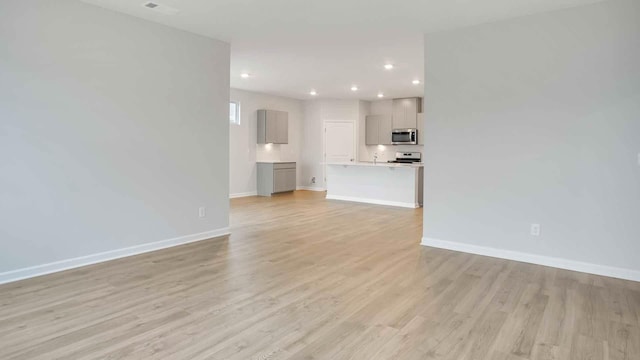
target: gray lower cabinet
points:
(273, 127)
(276, 177)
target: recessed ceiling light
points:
(244, 75)
(415, 82)
(313, 93)
(388, 66)
(380, 95)
(354, 88)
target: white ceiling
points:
(292, 46)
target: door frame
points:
(324, 144)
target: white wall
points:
(316, 112)
(537, 120)
(244, 150)
(113, 132)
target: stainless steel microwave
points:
(404, 137)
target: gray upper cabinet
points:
(282, 136)
(405, 113)
(385, 127)
(270, 126)
(273, 127)
(420, 128)
(372, 129)
(378, 130)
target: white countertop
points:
(379, 164)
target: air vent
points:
(163, 9)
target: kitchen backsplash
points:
(387, 152)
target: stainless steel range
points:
(407, 157)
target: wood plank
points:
(301, 277)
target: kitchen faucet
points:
(375, 158)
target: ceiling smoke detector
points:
(163, 9)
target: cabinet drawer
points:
(284, 180)
(289, 165)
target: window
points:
(234, 112)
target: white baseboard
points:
(255, 193)
(243, 194)
(621, 273)
(373, 201)
(33, 271)
(310, 188)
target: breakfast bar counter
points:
(376, 183)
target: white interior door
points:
(339, 142)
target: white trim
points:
(310, 188)
(324, 143)
(33, 271)
(243, 194)
(236, 121)
(373, 201)
(621, 273)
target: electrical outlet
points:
(313, 180)
(535, 229)
(202, 212)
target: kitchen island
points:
(376, 183)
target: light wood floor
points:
(306, 278)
